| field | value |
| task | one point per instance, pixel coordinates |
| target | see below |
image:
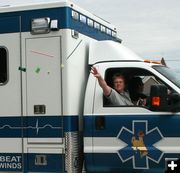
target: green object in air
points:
(38, 70)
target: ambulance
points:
(53, 115)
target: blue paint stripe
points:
(43, 126)
(71, 123)
(10, 24)
(167, 124)
(106, 162)
(17, 162)
(55, 163)
(55, 126)
(37, 126)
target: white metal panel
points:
(47, 150)
(10, 97)
(45, 140)
(113, 145)
(75, 72)
(103, 144)
(102, 51)
(25, 36)
(169, 145)
(43, 74)
(89, 95)
(10, 93)
(7, 147)
(10, 145)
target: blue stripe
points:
(43, 126)
(37, 126)
(17, 162)
(111, 163)
(55, 126)
(71, 123)
(167, 124)
(55, 163)
(9, 23)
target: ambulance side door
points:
(10, 95)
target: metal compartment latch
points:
(39, 109)
(40, 160)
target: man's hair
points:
(118, 75)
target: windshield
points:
(169, 74)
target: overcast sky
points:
(151, 28)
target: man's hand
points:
(102, 82)
(95, 72)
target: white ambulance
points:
(53, 115)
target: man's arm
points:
(106, 89)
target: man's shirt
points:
(119, 99)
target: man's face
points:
(119, 84)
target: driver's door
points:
(131, 138)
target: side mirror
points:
(159, 98)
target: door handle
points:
(100, 122)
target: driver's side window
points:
(138, 84)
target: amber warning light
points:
(156, 101)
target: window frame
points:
(150, 73)
(99, 109)
(7, 65)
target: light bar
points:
(152, 61)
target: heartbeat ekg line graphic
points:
(36, 127)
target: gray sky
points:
(151, 28)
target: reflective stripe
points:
(113, 145)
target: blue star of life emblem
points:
(140, 143)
